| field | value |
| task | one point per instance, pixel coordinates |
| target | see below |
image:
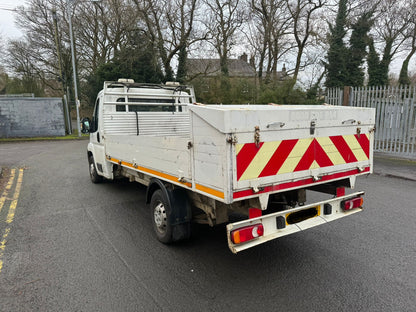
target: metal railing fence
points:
(395, 115)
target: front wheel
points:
(95, 177)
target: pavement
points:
(390, 166)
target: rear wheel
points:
(95, 177)
(164, 210)
(159, 213)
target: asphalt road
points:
(76, 246)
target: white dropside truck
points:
(215, 163)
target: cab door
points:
(97, 140)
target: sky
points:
(7, 17)
(8, 30)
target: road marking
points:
(7, 189)
(3, 241)
(13, 205)
(12, 208)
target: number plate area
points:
(302, 215)
(292, 221)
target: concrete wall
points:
(31, 117)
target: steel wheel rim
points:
(160, 217)
(92, 169)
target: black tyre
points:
(95, 177)
(160, 210)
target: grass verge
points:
(73, 136)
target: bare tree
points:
(389, 31)
(305, 19)
(1, 44)
(102, 28)
(271, 22)
(3, 75)
(170, 25)
(409, 45)
(358, 8)
(36, 55)
(22, 64)
(224, 18)
(20, 61)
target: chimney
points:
(252, 62)
(244, 57)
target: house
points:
(242, 84)
(237, 68)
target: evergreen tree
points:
(357, 50)
(404, 71)
(404, 74)
(137, 60)
(181, 72)
(337, 54)
(385, 62)
(375, 76)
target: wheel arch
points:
(154, 185)
(177, 199)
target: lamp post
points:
(74, 69)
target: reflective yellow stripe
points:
(331, 150)
(258, 163)
(238, 148)
(314, 165)
(295, 156)
(355, 147)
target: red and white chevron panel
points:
(286, 156)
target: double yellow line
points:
(12, 207)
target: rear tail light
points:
(247, 233)
(352, 203)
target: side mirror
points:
(85, 125)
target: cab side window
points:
(121, 108)
(95, 116)
(164, 107)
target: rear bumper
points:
(270, 221)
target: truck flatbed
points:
(231, 157)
